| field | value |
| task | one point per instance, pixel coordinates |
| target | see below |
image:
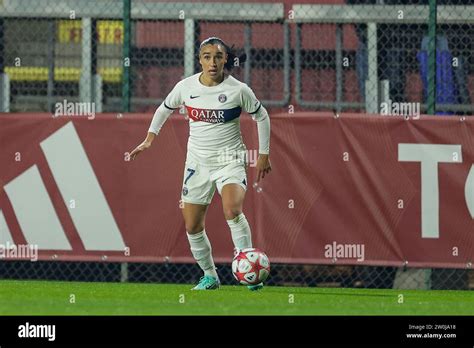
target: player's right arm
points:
(166, 108)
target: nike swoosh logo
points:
(193, 97)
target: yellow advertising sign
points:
(109, 32)
(69, 31)
(64, 74)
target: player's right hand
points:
(139, 149)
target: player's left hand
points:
(263, 166)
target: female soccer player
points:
(216, 153)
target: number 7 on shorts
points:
(191, 172)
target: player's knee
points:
(232, 212)
(192, 228)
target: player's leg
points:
(233, 196)
(194, 217)
(196, 196)
(232, 185)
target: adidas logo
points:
(80, 191)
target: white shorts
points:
(200, 182)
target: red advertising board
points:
(356, 189)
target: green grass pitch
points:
(55, 298)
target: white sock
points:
(201, 250)
(240, 230)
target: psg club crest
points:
(222, 98)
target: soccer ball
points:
(250, 266)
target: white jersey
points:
(214, 117)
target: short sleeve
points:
(174, 99)
(250, 103)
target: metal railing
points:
(190, 14)
(371, 16)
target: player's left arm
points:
(259, 114)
